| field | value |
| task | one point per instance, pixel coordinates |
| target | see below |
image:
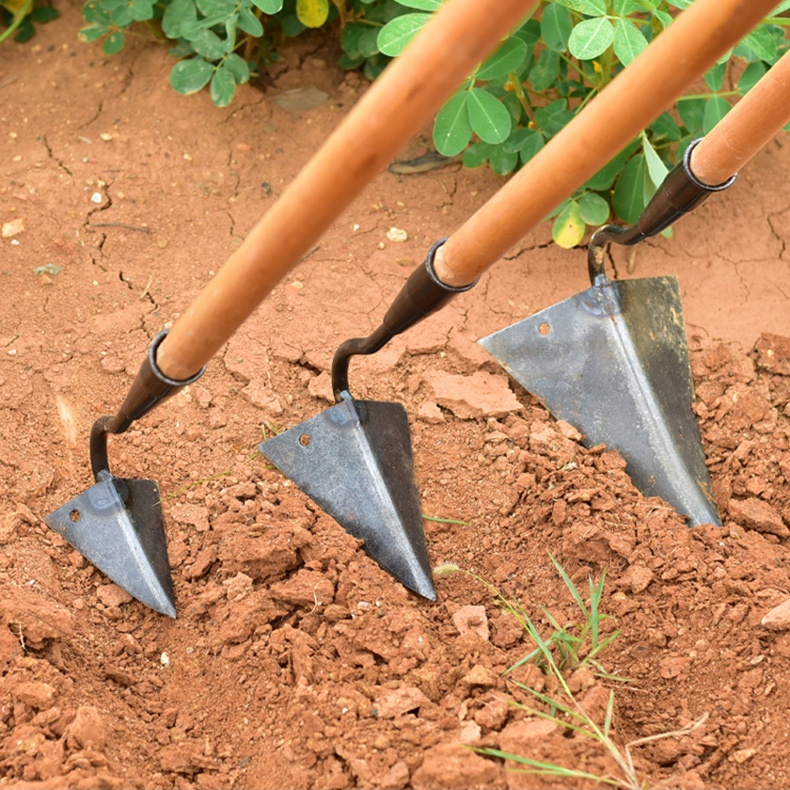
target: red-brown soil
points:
(295, 661)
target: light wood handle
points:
(638, 95)
(746, 128)
(401, 101)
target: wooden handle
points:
(638, 95)
(747, 128)
(401, 101)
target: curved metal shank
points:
(149, 388)
(422, 294)
(678, 194)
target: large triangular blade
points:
(117, 525)
(355, 461)
(613, 362)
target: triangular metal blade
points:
(117, 525)
(355, 461)
(613, 362)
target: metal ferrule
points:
(680, 192)
(149, 388)
(422, 294)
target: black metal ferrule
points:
(149, 388)
(679, 193)
(422, 294)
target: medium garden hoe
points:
(355, 459)
(117, 524)
(613, 360)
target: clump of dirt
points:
(295, 661)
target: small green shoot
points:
(577, 643)
(564, 651)
(445, 520)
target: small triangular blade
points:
(117, 525)
(355, 461)
(613, 362)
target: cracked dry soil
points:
(295, 661)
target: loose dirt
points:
(295, 661)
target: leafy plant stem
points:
(690, 96)
(17, 21)
(518, 89)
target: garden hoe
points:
(613, 360)
(355, 459)
(117, 524)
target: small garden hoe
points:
(355, 459)
(117, 524)
(613, 360)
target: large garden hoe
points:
(117, 524)
(613, 360)
(355, 459)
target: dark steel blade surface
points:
(613, 362)
(355, 461)
(117, 525)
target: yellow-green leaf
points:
(312, 13)
(568, 229)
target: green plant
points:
(567, 648)
(573, 644)
(548, 69)
(19, 17)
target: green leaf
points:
(269, 6)
(691, 112)
(452, 130)
(630, 7)
(715, 109)
(665, 126)
(556, 26)
(217, 9)
(656, 168)
(291, 26)
(594, 209)
(714, 78)
(752, 74)
(501, 161)
(189, 76)
(553, 117)
(398, 32)
(529, 32)
(114, 43)
(44, 14)
(223, 86)
(141, 10)
(628, 199)
(489, 117)
(762, 43)
(208, 44)
(421, 5)
(510, 54)
(664, 18)
(93, 33)
(238, 67)
(312, 13)
(545, 72)
(177, 17)
(587, 7)
(568, 229)
(591, 38)
(531, 146)
(95, 13)
(477, 154)
(605, 177)
(250, 23)
(121, 15)
(629, 40)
